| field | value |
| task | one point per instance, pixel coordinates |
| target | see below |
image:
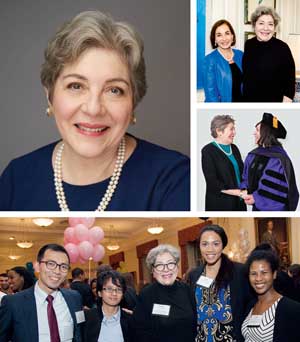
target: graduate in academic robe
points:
(269, 182)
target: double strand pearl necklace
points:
(113, 183)
(227, 153)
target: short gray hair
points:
(161, 249)
(94, 29)
(220, 122)
(264, 10)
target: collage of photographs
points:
(149, 174)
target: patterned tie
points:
(53, 326)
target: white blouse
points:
(260, 328)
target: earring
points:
(48, 111)
(133, 119)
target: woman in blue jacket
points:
(222, 75)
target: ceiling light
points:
(42, 221)
(11, 238)
(112, 243)
(25, 244)
(155, 230)
(113, 247)
(14, 257)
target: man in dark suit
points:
(269, 236)
(83, 288)
(44, 312)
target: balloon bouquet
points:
(81, 240)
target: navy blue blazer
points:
(18, 316)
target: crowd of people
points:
(264, 72)
(219, 300)
(266, 180)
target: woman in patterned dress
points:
(221, 290)
(273, 318)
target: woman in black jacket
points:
(222, 166)
(221, 290)
(273, 318)
(110, 289)
(165, 311)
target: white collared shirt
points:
(111, 330)
(63, 316)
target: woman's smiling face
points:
(264, 27)
(93, 102)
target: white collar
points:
(41, 295)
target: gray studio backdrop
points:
(163, 117)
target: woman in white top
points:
(273, 318)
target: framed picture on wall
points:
(274, 231)
(248, 35)
(250, 6)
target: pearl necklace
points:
(228, 59)
(227, 153)
(113, 183)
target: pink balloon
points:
(72, 251)
(73, 221)
(98, 253)
(81, 261)
(66, 241)
(69, 235)
(96, 234)
(85, 250)
(81, 232)
(88, 221)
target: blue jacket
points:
(217, 76)
(18, 316)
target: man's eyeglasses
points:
(169, 266)
(52, 265)
(117, 290)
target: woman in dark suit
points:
(222, 166)
(273, 318)
(221, 290)
(108, 322)
(165, 310)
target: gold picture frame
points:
(281, 231)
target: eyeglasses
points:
(117, 290)
(51, 265)
(169, 266)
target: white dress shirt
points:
(63, 315)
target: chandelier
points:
(42, 221)
(14, 257)
(155, 229)
(112, 244)
(113, 247)
(25, 244)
